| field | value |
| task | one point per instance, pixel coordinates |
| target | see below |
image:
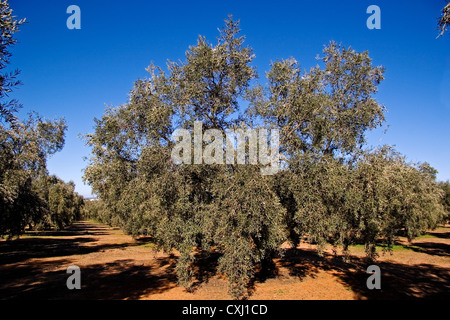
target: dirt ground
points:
(115, 266)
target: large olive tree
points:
(329, 187)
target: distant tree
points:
(445, 186)
(25, 148)
(61, 204)
(95, 210)
(396, 197)
(24, 145)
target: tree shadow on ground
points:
(204, 268)
(76, 229)
(31, 281)
(70, 242)
(25, 274)
(444, 235)
(398, 281)
(121, 279)
(130, 279)
(431, 248)
(21, 250)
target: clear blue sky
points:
(74, 73)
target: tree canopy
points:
(331, 187)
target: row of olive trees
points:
(62, 205)
(445, 186)
(331, 188)
(28, 195)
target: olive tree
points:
(336, 190)
(330, 187)
(25, 145)
(226, 208)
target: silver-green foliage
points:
(330, 189)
